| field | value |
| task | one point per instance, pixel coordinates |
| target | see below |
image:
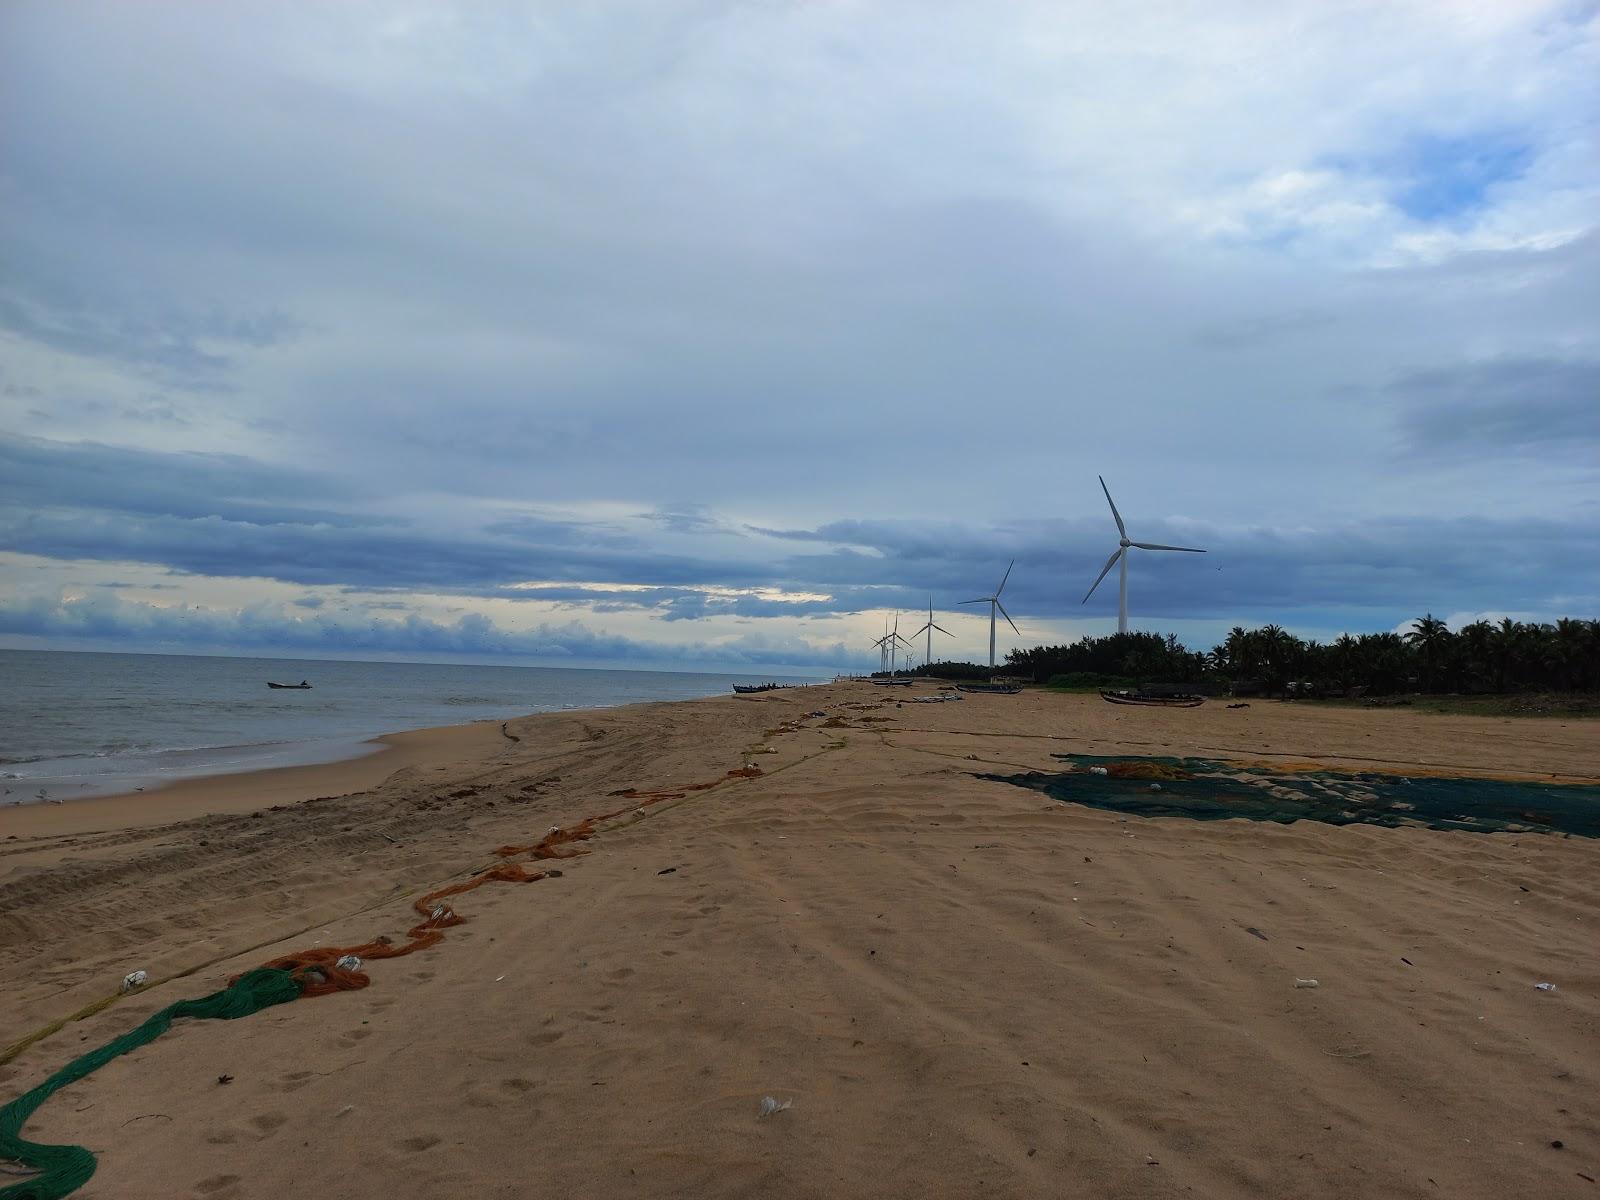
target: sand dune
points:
(963, 988)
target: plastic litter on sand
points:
(1545, 987)
(1306, 983)
(134, 979)
(769, 1106)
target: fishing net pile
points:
(1207, 790)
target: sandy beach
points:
(958, 987)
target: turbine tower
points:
(994, 603)
(1121, 553)
(929, 630)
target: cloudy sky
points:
(709, 333)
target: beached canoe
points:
(744, 689)
(1180, 700)
(990, 689)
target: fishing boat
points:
(744, 689)
(1146, 699)
(892, 682)
(302, 686)
(990, 689)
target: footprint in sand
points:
(268, 1123)
(544, 1039)
(295, 1081)
(423, 1141)
(216, 1183)
(620, 974)
(518, 1084)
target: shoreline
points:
(433, 747)
(150, 772)
(241, 791)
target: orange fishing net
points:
(317, 970)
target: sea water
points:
(82, 724)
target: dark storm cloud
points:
(1506, 406)
(41, 475)
(157, 513)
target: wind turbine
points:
(929, 629)
(883, 647)
(895, 642)
(1121, 552)
(994, 603)
(889, 644)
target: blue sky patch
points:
(1445, 177)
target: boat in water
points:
(302, 686)
(1151, 700)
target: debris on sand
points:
(770, 1107)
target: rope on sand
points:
(64, 1169)
(320, 971)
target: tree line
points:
(1480, 658)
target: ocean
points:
(84, 724)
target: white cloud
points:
(790, 264)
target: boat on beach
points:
(302, 686)
(1149, 700)
(990, 689)
(891, 682)
(744, 689)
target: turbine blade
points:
(979, 600)
(1157, 546)
(943, 630)
(1007, 616)
(1005, 577)
(1110, 562)
(1121, 528)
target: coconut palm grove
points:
(1482, 658)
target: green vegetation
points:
(949, 670)
(1089, 681)
(1509, 659)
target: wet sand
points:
(964, 989)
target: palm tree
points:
(1506, 646)
(1477, 658)
(1274, 648)
(1430, 636)
(1572, 651)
